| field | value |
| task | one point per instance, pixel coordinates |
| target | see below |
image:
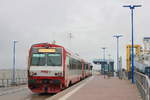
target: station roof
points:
(146, 38)
(102, 60)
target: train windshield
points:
(54, 59)
(46, 59)
(38, 59)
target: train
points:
(52, 68)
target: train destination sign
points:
(47, 50)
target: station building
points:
(107, 66)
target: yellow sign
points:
(47, 50)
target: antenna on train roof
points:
(53, 42)
(77, 54)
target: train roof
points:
(74, 55)
(46, 45)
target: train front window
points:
(54, 59)
(38, 59)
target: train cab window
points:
(54, 59)
(38, 59)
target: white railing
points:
(8, 82)
(143, 85)
(6, 77)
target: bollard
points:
(3, 85)
(7, 82)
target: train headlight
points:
(58, 74)
(33, 73)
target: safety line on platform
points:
(75, 90)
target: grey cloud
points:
(92, 23)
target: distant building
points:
(146, 41)
(107, 66)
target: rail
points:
(8, 82)
(143, 85)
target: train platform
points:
(99, 88)
(11, 89)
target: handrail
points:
(143, 85)
(8, 82)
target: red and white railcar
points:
(52, 68)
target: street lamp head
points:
(132, 6)
(137, 5)
(15, 41)
(117, 36)
(103, 47)
(127, 6)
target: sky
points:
(91, 22)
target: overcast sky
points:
(91, 22)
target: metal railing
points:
(8, 82)
(143, 85)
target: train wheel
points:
(70, 83)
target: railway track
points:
(21, 93)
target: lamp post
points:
(109, 60)
(70, 42)
(132, 7)
(118, 67)
(104, 48)
(14, 62)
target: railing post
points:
(3, 83)
(148, 93)
(7, 82)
